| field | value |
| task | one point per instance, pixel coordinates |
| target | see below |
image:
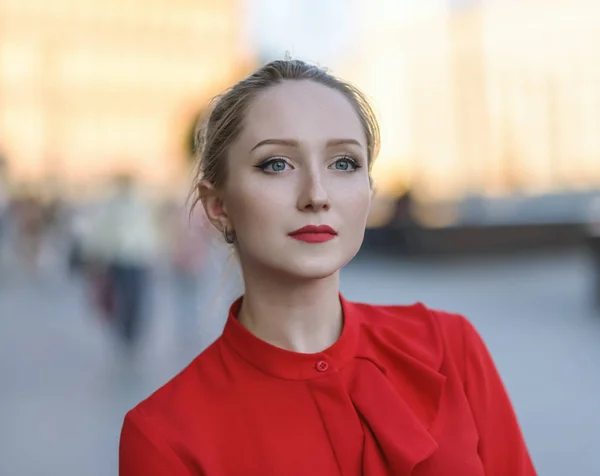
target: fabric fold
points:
(389, 421)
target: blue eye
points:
(346, 164)
(274, 166)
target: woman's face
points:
(301, 160)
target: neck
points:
(301, 316)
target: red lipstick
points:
(314, 234)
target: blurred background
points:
(488, 199)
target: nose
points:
(313, 196)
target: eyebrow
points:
(295, 143)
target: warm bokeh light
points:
(87, 88)
(480, 97)
(494, 98)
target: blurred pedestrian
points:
(29, 217)
(121, 249)
(188, 258)
(78, 224)
(54, 233)
(404, 222)
(303, 381)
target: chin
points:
(317, 263)
(314, 267)
(313, 270)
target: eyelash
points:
(263, 166)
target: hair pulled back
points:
(224, 123)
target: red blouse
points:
(405, 390)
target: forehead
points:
(303, 110)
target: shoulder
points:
(192, 388)
(418, 320)
(156, 432)
(427, 334)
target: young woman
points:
(303, 381)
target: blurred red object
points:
(103, 293)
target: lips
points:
(314, 234)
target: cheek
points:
(355, 203)
(255, 205)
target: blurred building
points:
(90, 87)
(489, 98)
(476, 97)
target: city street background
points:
(64, 394)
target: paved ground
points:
(63, 393)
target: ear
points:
(213, 204)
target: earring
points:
(228, 235)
